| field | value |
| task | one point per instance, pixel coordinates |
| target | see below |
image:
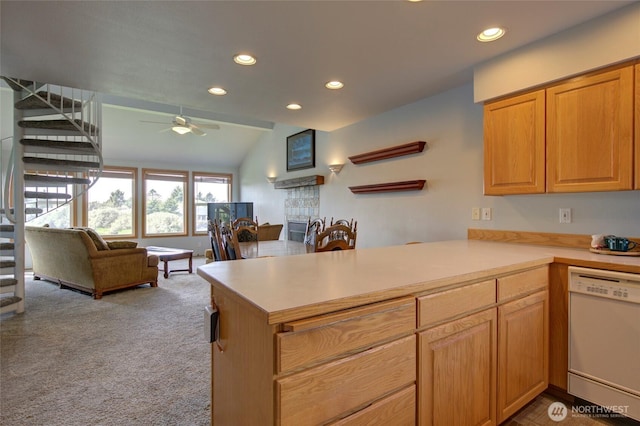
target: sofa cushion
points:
(100, 243)
(114, 245)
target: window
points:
(110, 205)
(208, 188)
(164, 198)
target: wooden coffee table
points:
(166, 254)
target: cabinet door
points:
(589, 133)
(456, 372)
(514, 145)
(637, 127)
(523, 352)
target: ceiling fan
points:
(183, 125)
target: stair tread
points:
(34, 102)
(28, 210)
(6, 301)
(47, 195)
(52, 143)
(7, 263)
(62, 180)
(5, 227)
(57, 162)
(7, 246)
(6, 282)
(56, 125)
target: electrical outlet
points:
(475, 213)
(486, 213)
(565, 215)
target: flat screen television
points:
(228, 212)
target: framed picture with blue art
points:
(301, 150)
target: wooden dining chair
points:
(217, 246)
(314, 227)
(246, 229)
(336, 237)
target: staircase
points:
(54, 156)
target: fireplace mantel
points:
(298, 182)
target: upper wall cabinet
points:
(574, 136)
(590, 133)
(637, 126)
(514, 145)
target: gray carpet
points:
(136, 357)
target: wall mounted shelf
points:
(383, 154)
(298, 182)
(409, 185)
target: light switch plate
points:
(475, 213)
(486, 213)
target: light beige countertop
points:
(294, 287)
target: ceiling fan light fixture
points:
(218, 91)
(244, 59)
(491, 34)
(181, 130)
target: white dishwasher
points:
(604, 339)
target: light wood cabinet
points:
(574, 136)
(514, 145)
(480, 368)
(637, 127)
(456, 378)
(590, 133)
(523, 358)
(348, 367)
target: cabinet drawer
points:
(398, 409)
(447, 304)
(321, 338)
(522, 283)
(319, 394)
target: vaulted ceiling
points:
(166, 54)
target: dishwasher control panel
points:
(608, 284)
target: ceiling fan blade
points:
(155, 122)
(196, 131)
(207, 126)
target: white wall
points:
(612, 38)
(452, 164)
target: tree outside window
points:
(208, 188)
(164, 202)
(110, 206)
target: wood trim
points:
(409, 185)
(298, 182)
(394, 151)
(536, 238)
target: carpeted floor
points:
(136, 357)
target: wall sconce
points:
(335, 168)
(271, 179)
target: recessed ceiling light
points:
(244, 59)
(334, 85)
(491, 34)
(294, 106)
(219, 91)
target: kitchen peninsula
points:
(334, 338)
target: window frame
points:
(194, 204)
(146, 174)
(134, 203)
